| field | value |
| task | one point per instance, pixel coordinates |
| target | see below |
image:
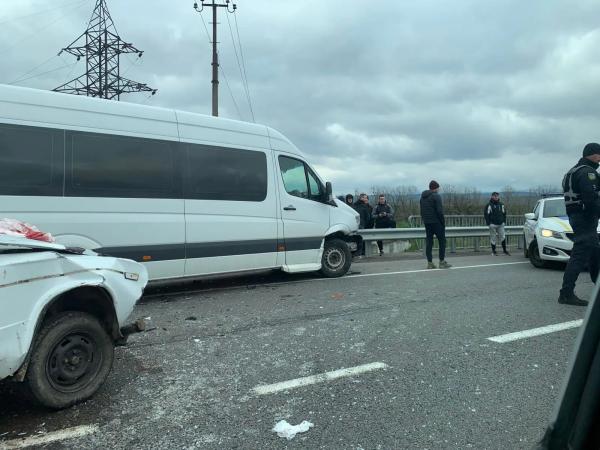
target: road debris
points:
(284, 429)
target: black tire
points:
(336, 258)
(534, 256)
(70, 360)
(525, 250)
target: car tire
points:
(71, 358)
(534, 256)
(336, 259)
(525, 250)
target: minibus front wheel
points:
(336, 258)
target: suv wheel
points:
(71, 358)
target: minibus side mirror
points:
(530, 216)
(329, 193)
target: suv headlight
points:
(550, 233)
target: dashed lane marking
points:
(319, 378)
(510, 337)
(54, 436)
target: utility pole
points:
(101, 47)
(215, 56)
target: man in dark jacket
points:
(495, 218)
(581, 186)
(384, 218)
(350, 200)
(365, 212)
(432, 213)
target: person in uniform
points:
(581, 187)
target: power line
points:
(13, 19)
(215, 5)
(221, 69)
(37, 30)
(244, 83)
(231, 93)
(244, 66)
(44, 73)
(32, 70)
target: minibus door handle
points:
(289, 208)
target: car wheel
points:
(525, 250)
(534, 256)
(336, 258)
(70, 360)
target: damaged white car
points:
(62, 311)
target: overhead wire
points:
(13, 19)
(231, 92)
(243, 65)
(37, 30)
(32, 70)
(222, 70)
(244, 82)
(44, 73)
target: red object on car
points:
(14, 227)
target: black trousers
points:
(438, 230)
(586, 251)
(384, 224)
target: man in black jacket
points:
(384, 218)
(581, 186)
(365, 211)
(495, 218)
(432, 213)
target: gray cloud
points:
(468, 92)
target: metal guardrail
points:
(452, 233)
(468, 220)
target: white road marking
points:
(424, 270)
(54, 436)
(319, 378)
(504, 338)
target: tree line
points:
(457, 200)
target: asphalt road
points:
(440, 383)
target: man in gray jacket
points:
(432, 213)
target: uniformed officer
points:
(581, 186)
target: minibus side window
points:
(316, 188)
(29, 159)
(294, 176)
(221, 173)
(120, 166)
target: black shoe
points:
(571, 299)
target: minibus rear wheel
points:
(336, 258)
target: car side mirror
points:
(530, 216)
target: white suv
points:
(547, 232)
(62, 313)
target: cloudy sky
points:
(472, 93)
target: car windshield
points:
(555, 208)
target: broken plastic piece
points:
(284, 429)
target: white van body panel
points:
(173, 237)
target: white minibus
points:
(188, 195)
